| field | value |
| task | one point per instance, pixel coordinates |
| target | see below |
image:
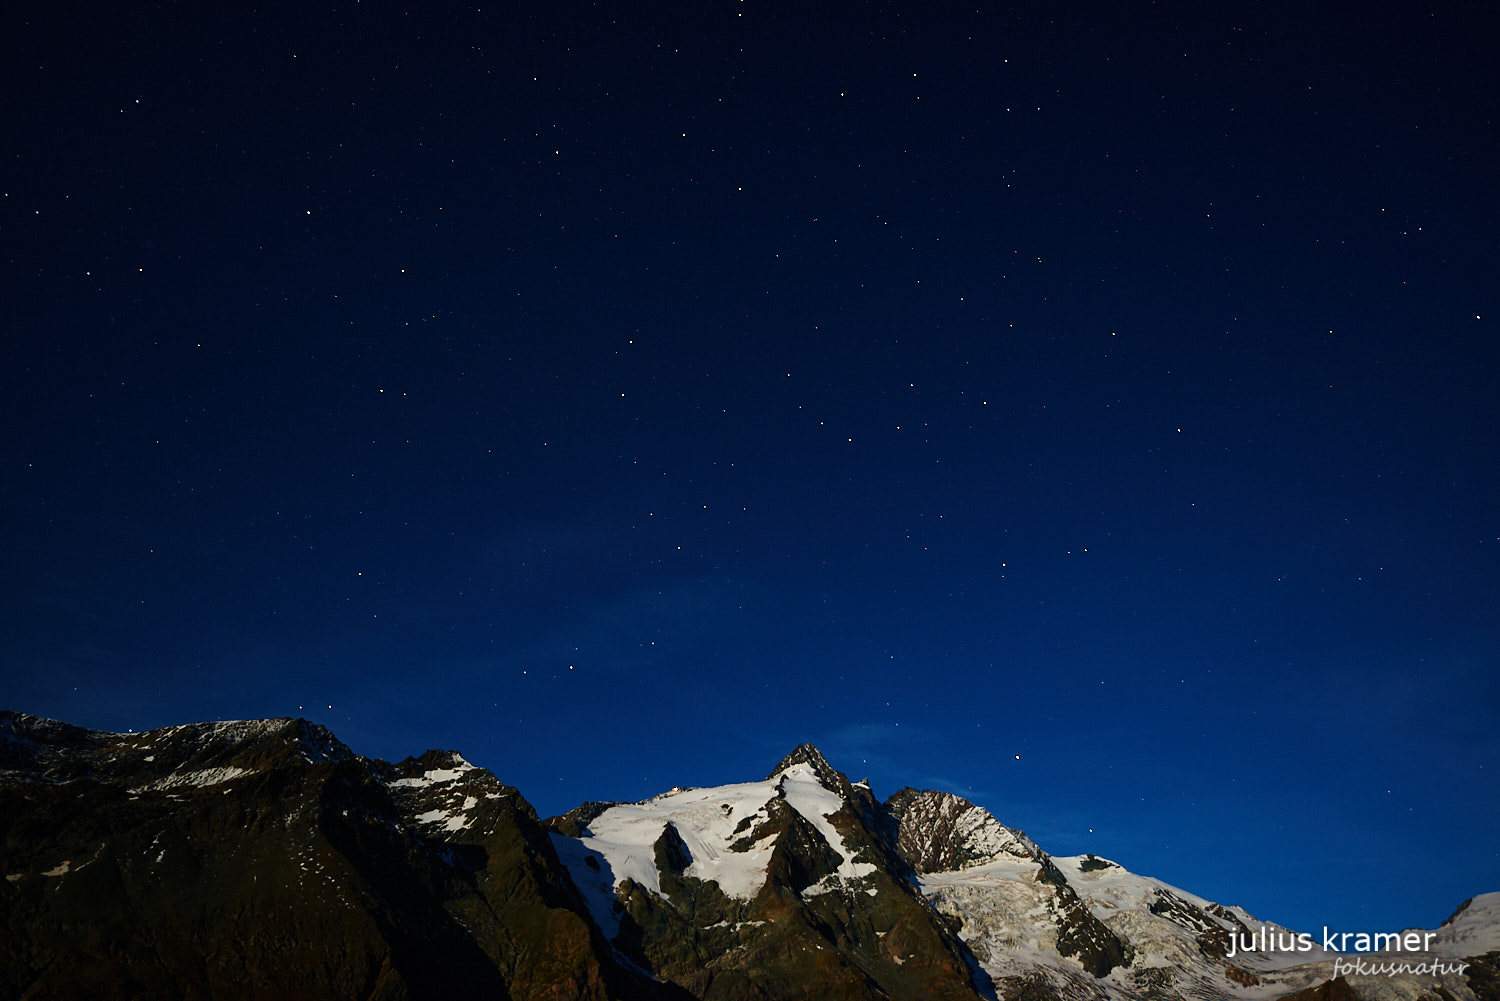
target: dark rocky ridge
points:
(264, 859)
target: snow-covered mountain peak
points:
(941, 832)
(433, 768)
(724, 835)
(806, 754)
(1472, 929)
(716, 826)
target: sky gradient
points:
(1090, 412)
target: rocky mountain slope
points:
(265, 859)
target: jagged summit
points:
(939, 831)
(807, 754)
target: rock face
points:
(940, 832)
(265, 859)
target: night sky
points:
(1090, 410)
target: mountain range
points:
(265, 859)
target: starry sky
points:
(1087, 409)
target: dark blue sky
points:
(622, 395)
